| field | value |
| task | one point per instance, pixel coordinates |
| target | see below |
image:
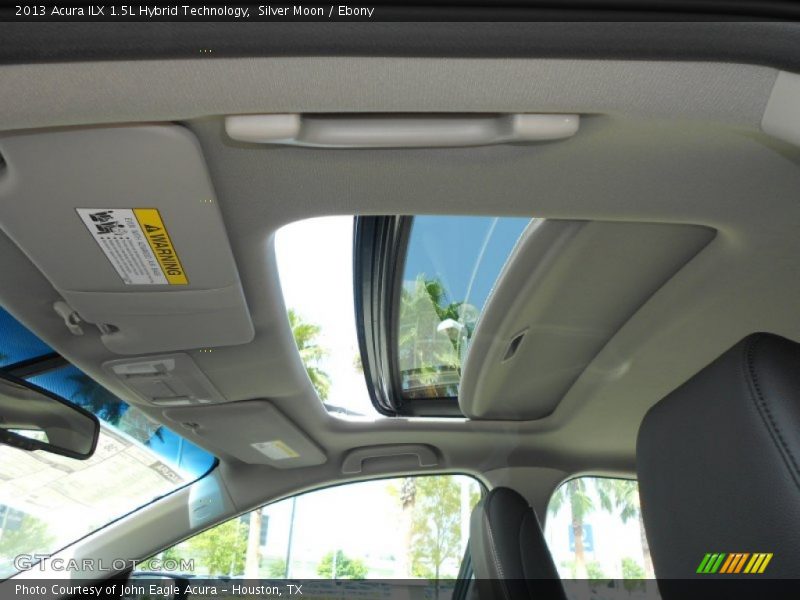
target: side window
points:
(404, 528)
(594, 530)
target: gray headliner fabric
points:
(40, 95)
(565, 291)
(660, 154)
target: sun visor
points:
(566, 290)
(124, 223)
(263, 435)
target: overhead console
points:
(124, 223)
(165, 380)
(565, 291)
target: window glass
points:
(48, 501)
(403, 528)
(17, 343)
(70, 383)
(594, 530)
(451, 266)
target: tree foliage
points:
(306, 337)
(221, 549)
(632, 569)
(623, 495)
(431, 513)
(30, 537)
(633, 575)
(276, 568)
(172, 553)
(435, 525)
(424, 352)
(576, 494)
(594, 570)
(591, 570)
(337, 565)
(619, 496)
(98, 400)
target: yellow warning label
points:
(285, 449)
(157, 236)
(275, 449)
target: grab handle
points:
(399, 131)
(412, 456)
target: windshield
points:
(451, 266)
(49, 501)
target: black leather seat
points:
(719, 464)
(510, 557)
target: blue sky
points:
(465, 253)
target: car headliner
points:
(672, 142)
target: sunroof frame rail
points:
(379, 253)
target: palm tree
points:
(404, 492)
(252, 562)
(98, 400)
(424, 353)
(581, 504)
(408, 499)
(623, 495)
(305, 336)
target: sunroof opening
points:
(451, 266)
(315, 264)
(391, 328)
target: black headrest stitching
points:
(718, 462)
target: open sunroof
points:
(421, 284)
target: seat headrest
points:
(719, 466)
(509, 554)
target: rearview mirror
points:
(31, 418)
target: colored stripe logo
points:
(734, 562)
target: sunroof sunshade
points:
(451, 266)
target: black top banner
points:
(442, 10)
(775, 44)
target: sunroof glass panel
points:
(451, 266)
